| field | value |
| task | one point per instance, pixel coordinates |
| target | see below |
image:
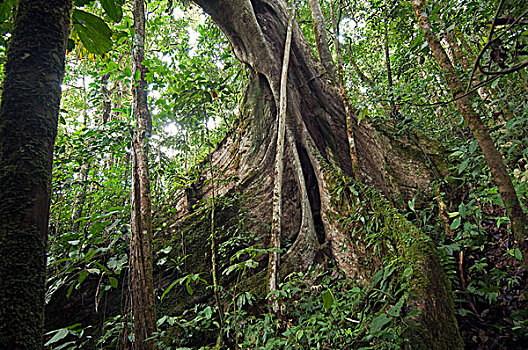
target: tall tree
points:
(318, 151)
(480, 132)
(28, 127)
(141, 280)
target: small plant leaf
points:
(377, 323)
(456, 223)
(328, 299)
(61, 334)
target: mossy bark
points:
(429, 290)
(28, 127)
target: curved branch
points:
(477, 64)
(512, 69)
(488, 43)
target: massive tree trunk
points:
(141, 279)
(28, 126)
(316, 157)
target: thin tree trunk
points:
(360, 74)
(480, 132)
(469, 50)
(214, 264)
(141, 280)
(457, 51)
(485, 93)
(80, 198)
(274, 256)
(321, 39)
(388, 66)
(335, 38)
(350, 111)
(28, 127)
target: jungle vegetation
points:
(263, 174)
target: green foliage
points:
(327, 310)
(68, 338)
(93, 32)
(113, 9)
(195, 89)
(188, 281)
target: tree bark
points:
(321, 39)
(317, 154)
(80, 198)
(141, 249)
(28, 127)
(480, 132)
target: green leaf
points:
(362, 114)
(395, 310)
(113, 282)
(518, 254)
(162, 320)
(456, 154)
(462, 210)
(82, 276)
(166, 250)
(93, 32)
(456, 223)
(299, 334)
(411, 204)
(463, 165)
(473, 146)
(5, 9)
(67, 345)
(61, 334)
(250, 264)
(376, 278)
(208, 312)
(230, 269)
(169, 288)
(377, 323)
(328, 299)
(137, 75)
(70, 290)
(189, 289)
(113, 10)
(407, 272)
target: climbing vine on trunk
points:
(274, 257)
(141, 266)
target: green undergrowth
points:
(319, 308)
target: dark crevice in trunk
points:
(313, 193)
